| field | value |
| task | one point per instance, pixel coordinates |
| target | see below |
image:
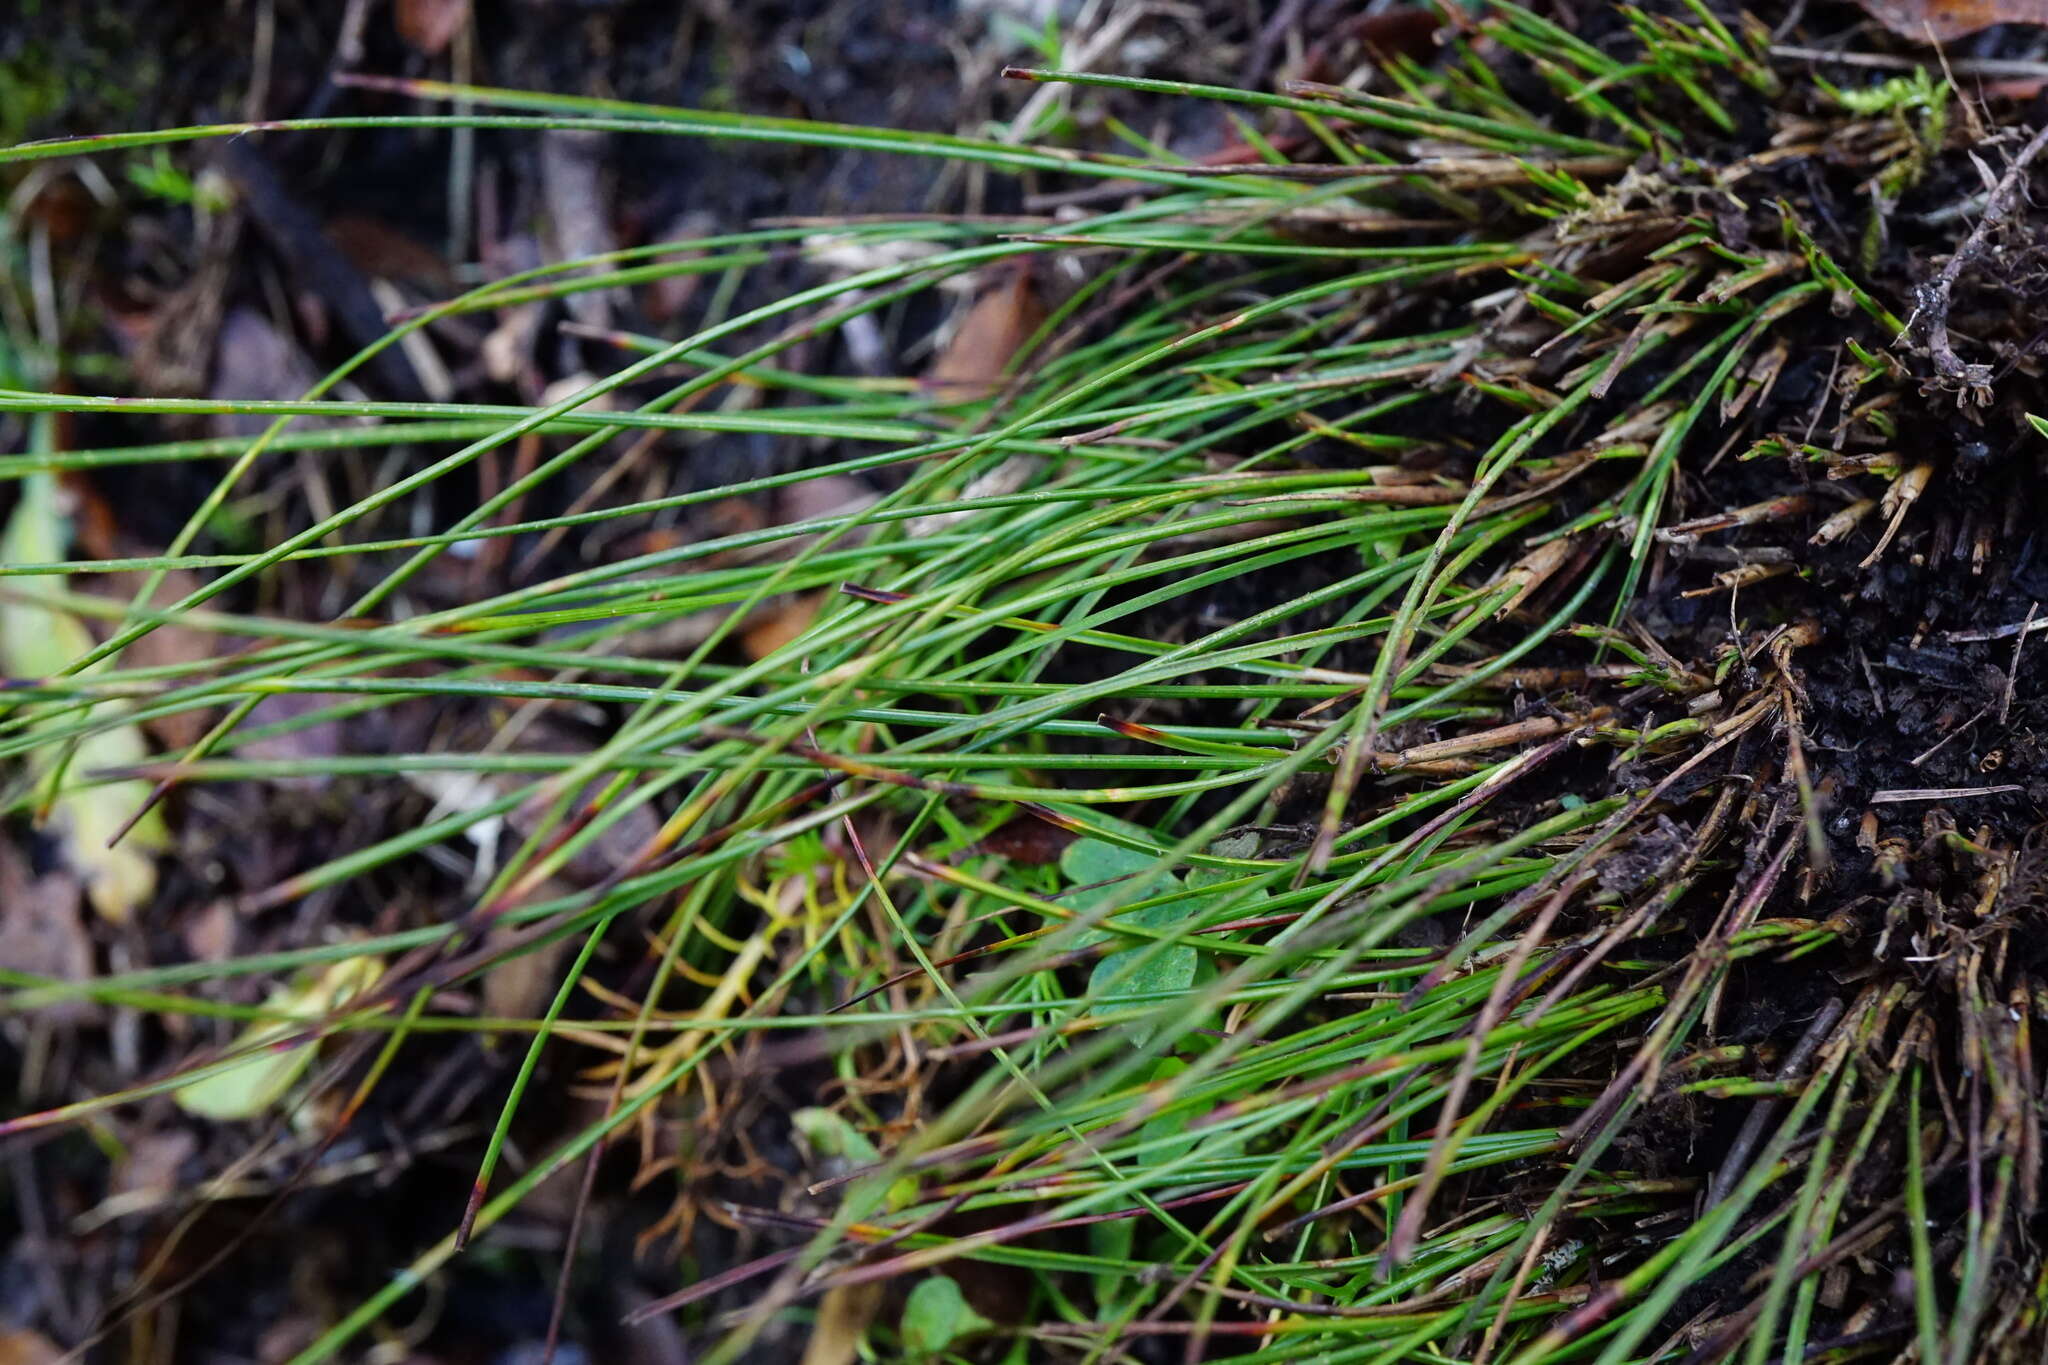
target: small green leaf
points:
(1174, 1123)
(833, 1138)
(1088, 861)
(1113, 1241)
(936, 1315)
(1103, 870)
(1244, 844)
(1146, 969)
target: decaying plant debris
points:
(1424, 742)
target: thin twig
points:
(1941, 793)
(2012, 673)
(1934, 299)
(1744, 1147)
(2026, 627)
(1879, 61)
(1946, 739)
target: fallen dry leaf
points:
(41, 931)
(1028, 840)
(308, 743)
(210, 934)
(665, 299)
(1943, 21)
(285, 1338)
(572, 166)
(95, 525)
(989, 338)
(316, 267)
(617, 844)
(832, 495)
(2018, 91)
(168, 645)
(520, 987)
(568, 386)
(28, 1348)
(62, 207)
(382, 251)
(428, 26)
(780, 627)
(842, 1324)
(153, 1162)
(625, 835)
(254, 360)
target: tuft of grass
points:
(1327, 1033)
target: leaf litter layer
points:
(1440, 766)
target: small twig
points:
(1744, 1147)
(2026, 627)
(1961, 66)
(1941, 793)
(1934, 299)
(1827, 391)
(1946, 739)
(1997, 633)
(1287, 16)
(2012, 672)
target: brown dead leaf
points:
(428, 26)
(382, 251)
(321, 739)
(833, 495)
(210, 934)
(28, 1348)
(778, 628)
(95, 526)
(509, 351)
(572, 174)
(989, 338)
(285, 1338)
(2018, 91)
(616, 845)
(153, 1162)
(842, 1324)
(625, 835)
(665, 299)
(41, 931)
(1369, 40)
(1943, 21)
(169, 644)
(313, 265)
(1027, 839)
(254, 360)
(733, 517)
(520, 987)
(569, 385)
(62, 207)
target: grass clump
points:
(1312, 816)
